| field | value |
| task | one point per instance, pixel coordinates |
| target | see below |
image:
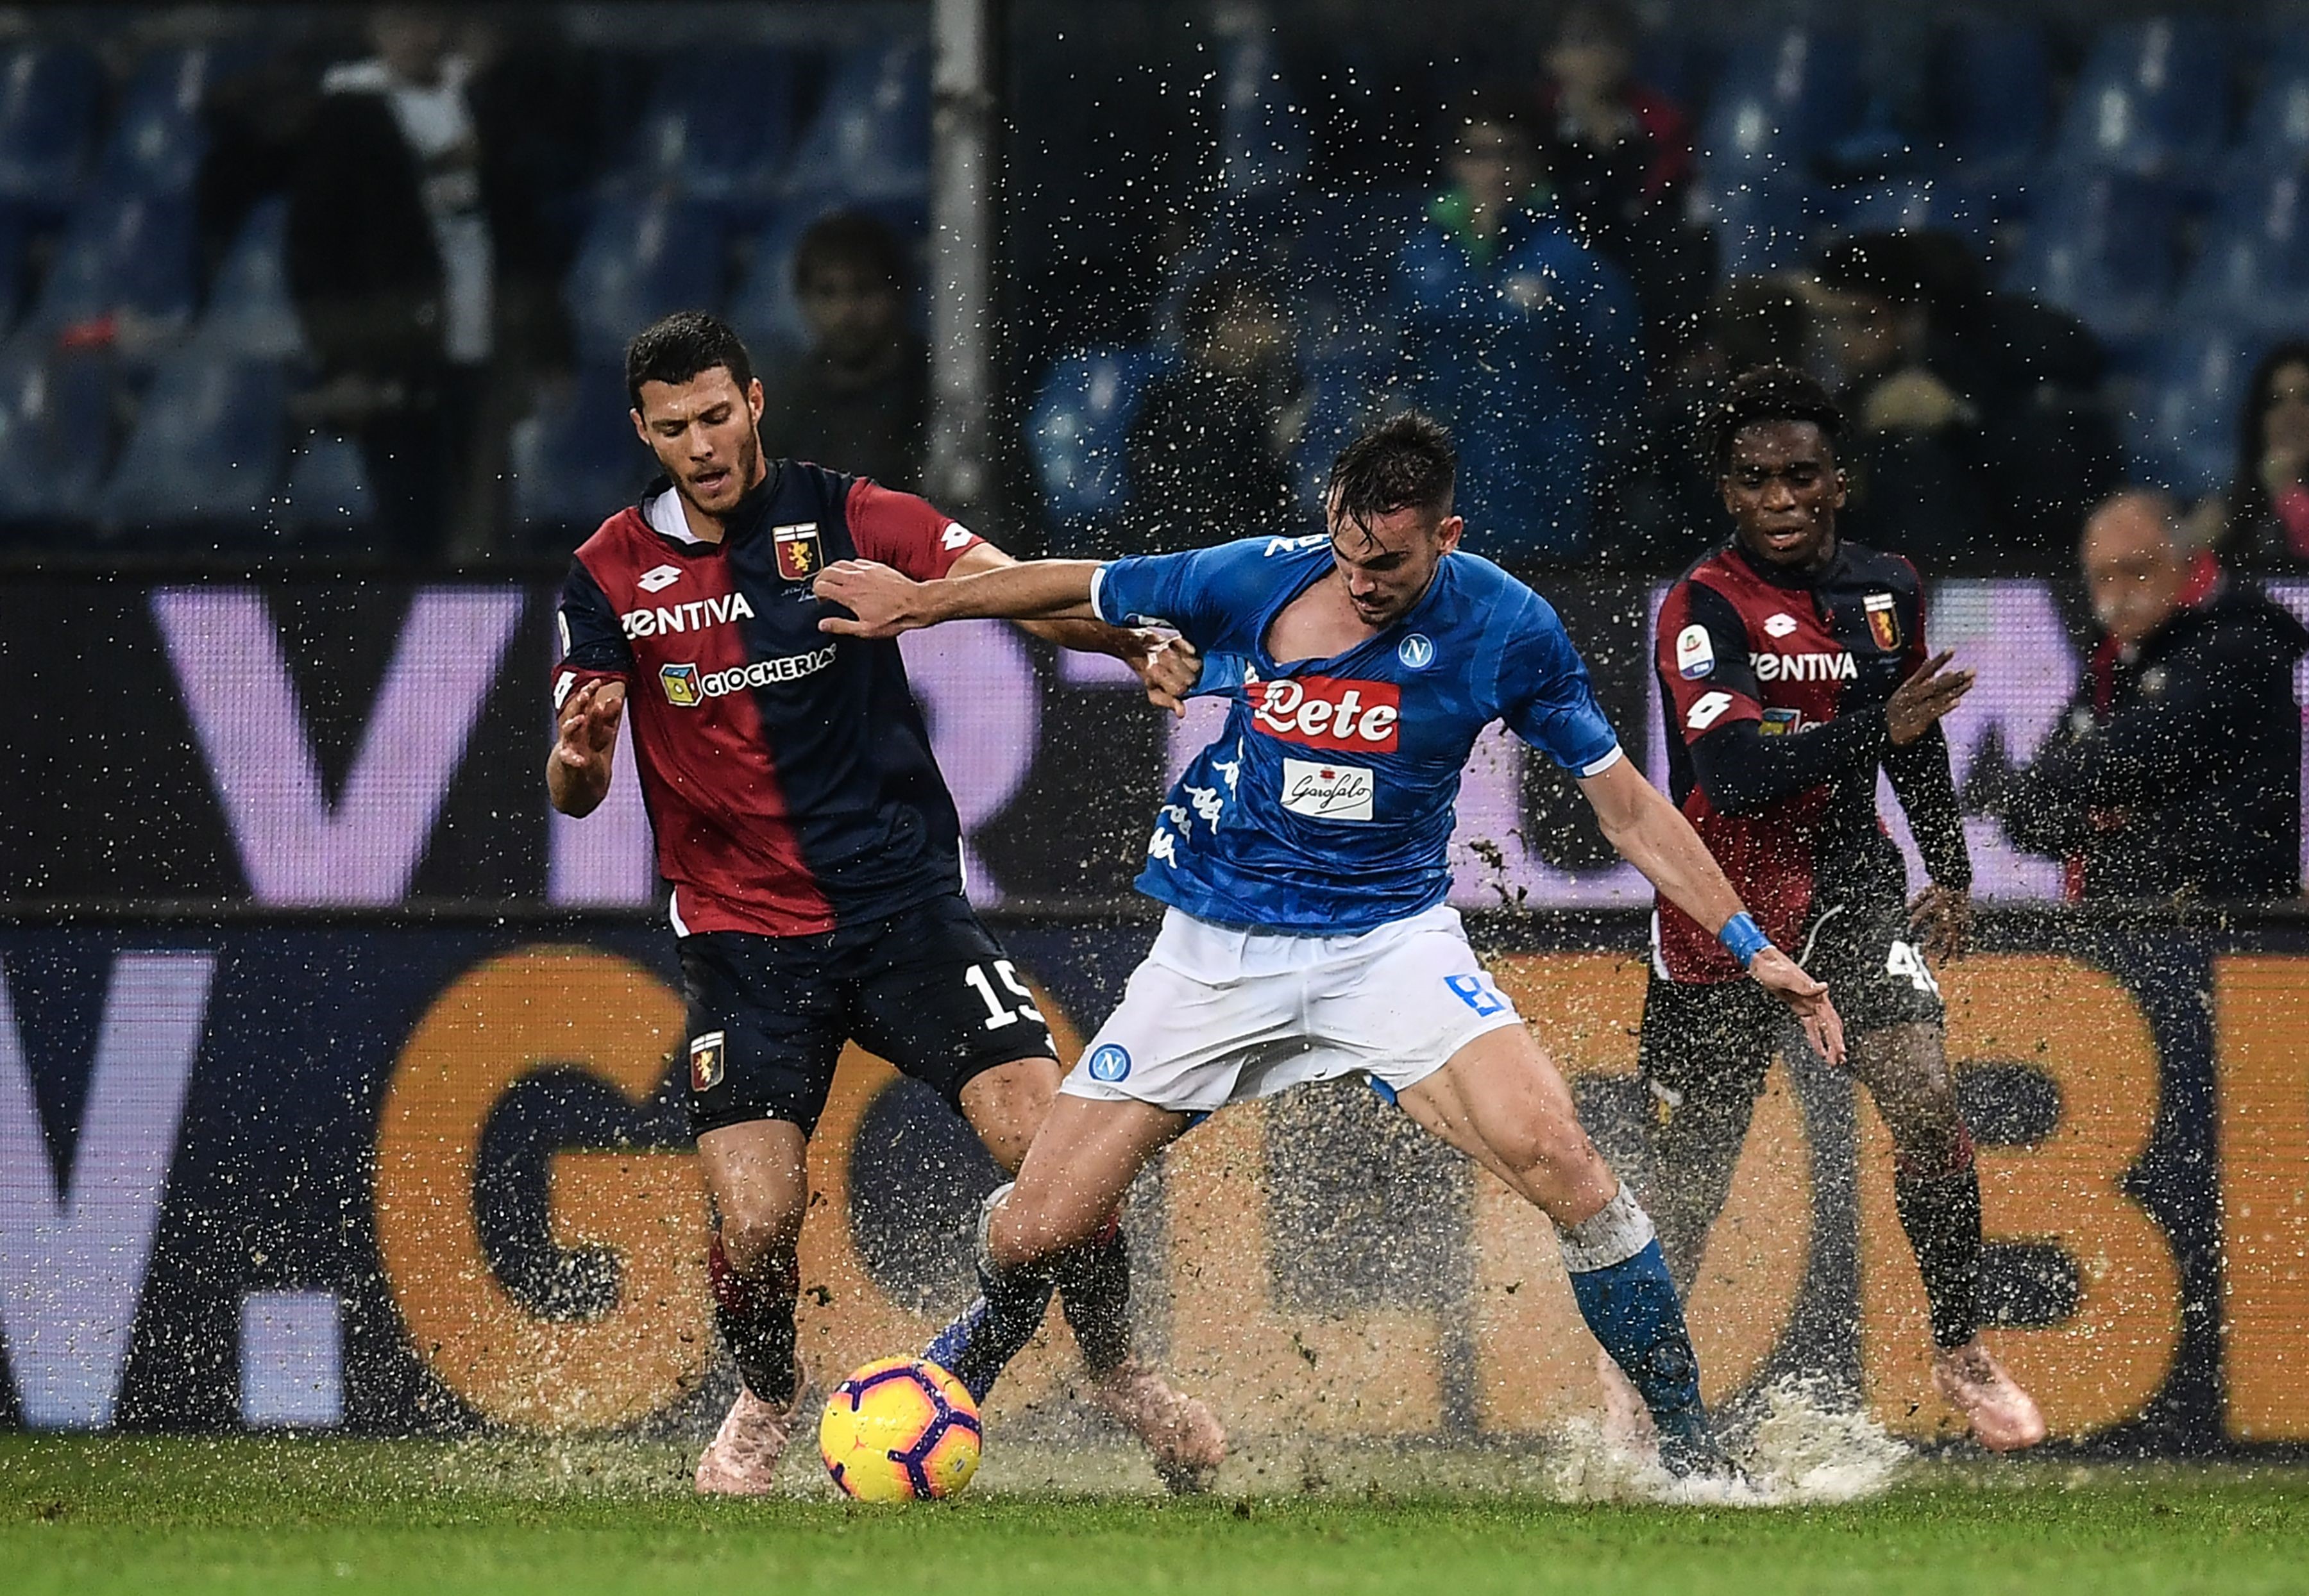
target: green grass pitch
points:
(89, 1516)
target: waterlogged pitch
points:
(89, 1516)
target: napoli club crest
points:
(1109, 1063)
(799, 557)
(1883, 621)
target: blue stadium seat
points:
(207, 448)
(871, 138)
(48, 100)
(1263, 135)
(1785, 96)
(250, 315)
(123, 255)
(326, 499)
(2181, 425)
(1079, 431)
(718, 126)
(158, 137)
(1769, 224)
(2276, 124)
(1918, 206)
(2101, 247)
(642, 259)
(2153, 98)
(763, 309)
(576, 461)
(1992, 93)
(56, 433)
(2253, 269)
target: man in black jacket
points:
(2176, 771)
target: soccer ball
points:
(900, 1429)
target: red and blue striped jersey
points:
(787, 773)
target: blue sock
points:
(1632, 1310)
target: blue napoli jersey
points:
(1325, 807)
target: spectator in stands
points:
(860, 394)
(2175, 770)
(1675, 504)
(1618, 154)
(1977, 436)
(1526, 343)
(424, 280)
(1211, 446)
(2267, 524)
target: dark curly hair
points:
(1767, 393)
(1403, 462)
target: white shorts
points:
(1216, 1015)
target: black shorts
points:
(1722, 1033)
(927, 989)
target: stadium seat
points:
(158, 137)
(2101, 248)
(327, 498)
(56, 433)
(2153, 98)
(2180, 424)
(208, 449)
(1769, 224)
(1263, 140)
(2253, 269)
(49, 100)
(1078, 429)
(125, 258)
(763, 309)
(1991, 92)
(576, 461)
(642, 259)
(250, 315)
(1785, 96)
(1918, 206)
(719, 126)
(871, 137)
(2277, 123)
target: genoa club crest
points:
(798, 554)
(1883, 621)
(705, 1061)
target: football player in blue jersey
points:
(1302, 859)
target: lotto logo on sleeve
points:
(1318, 712)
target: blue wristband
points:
(1743, 938)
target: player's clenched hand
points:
(1945, 915)
(1919, 703)
(1784, 980)
(588, 725)
(1167, 663)
(886, 602)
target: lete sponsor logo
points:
(1320, 712)
(1326, 791)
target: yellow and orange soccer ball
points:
(900, 1429)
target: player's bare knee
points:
(756, 1233)
(1546, 1151)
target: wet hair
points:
(2248, 499)
(854, 241)
(684, 345)
(1768, 393)
(1405, 463)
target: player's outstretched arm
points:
(1653, 835)
(577, 771)
(1166, 662)
(885, 602)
